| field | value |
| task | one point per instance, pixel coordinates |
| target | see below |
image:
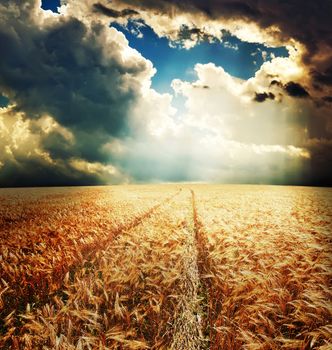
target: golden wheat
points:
(36, 258)
(268, 266)
(152, 267)
(129, 294)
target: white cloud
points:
(16, 136)
(224, 128)
(222, 134)
(105, 173)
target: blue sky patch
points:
(238, 58)
(50, 5)
(4, 101)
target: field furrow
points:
(188, 324)
(268, 267)
(128, 295)
(203, 270)
(34, 277)
(166, 267)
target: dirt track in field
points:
(188, 332)
(159, 268)
(84, 254)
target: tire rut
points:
(202, 263)
(41, 296)
(188, 325)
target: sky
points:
(127, 91)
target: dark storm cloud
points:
(113, 13)
(211, 8)
(26, 172)
(261, 97)
(319, 171)
(324, 76)
(61, 69)
(295, 90)
(88, 146)
(237, 8)
(309, 22)
(186, 33)
(276, 83)
(292, 89)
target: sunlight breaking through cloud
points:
(82, 107)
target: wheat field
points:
(179, 266)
